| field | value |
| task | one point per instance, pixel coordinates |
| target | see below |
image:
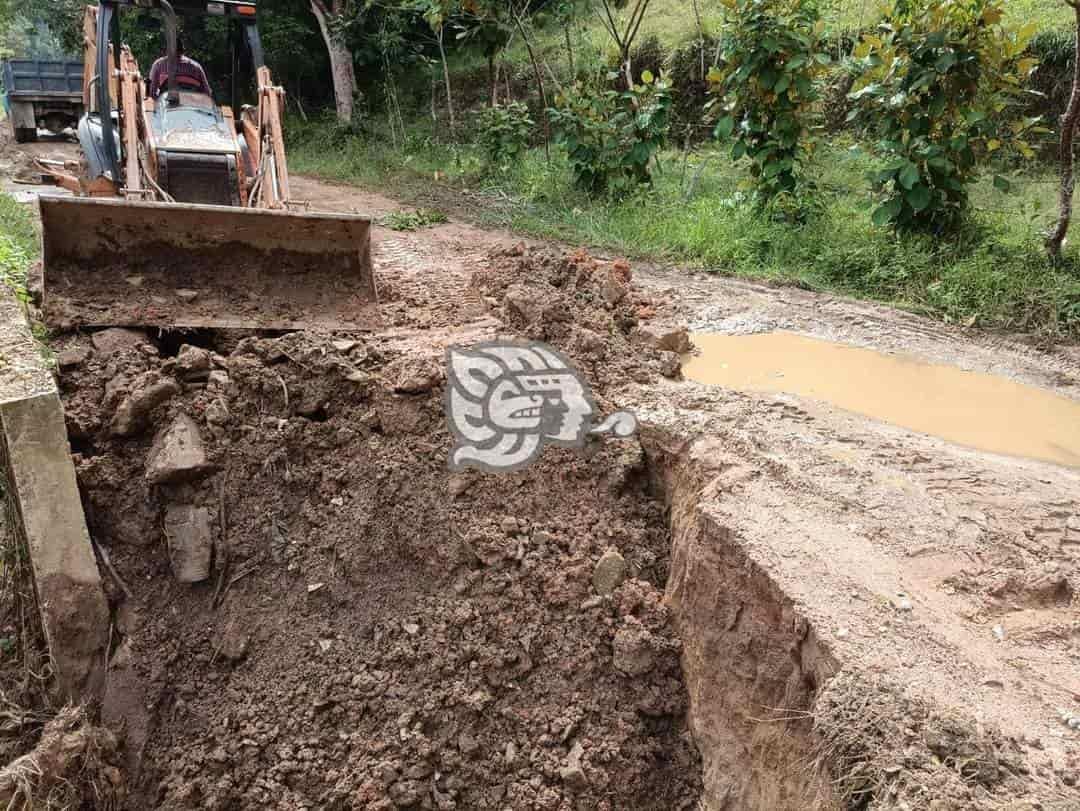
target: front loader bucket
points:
(111, 262)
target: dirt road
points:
(859, 610)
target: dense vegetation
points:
(893, 152)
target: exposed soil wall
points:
(752, 663)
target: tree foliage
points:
(763, 87)
(612, 137)
(503, 131)
(40, 27)
(940, 85)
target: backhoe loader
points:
(182, 214)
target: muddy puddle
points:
(969, 408)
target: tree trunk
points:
(539, 85)
(701, 37)
(341, 63)
(493, 80)
(1065, 152)
(569, 52)
(446, 81)
(434, 92)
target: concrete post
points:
(46, 512)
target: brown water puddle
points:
(970, 408)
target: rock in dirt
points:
(406, 793)
(534, 305)
(590, 343)
(133, 414)
(458, 484)
(666, 339)
(110, 341)
(613, 290)
(468, 745)
(231, 641)
(217, 380)
(193, 362)
(670, 365)
(178, 453)
(572, 774)
(72, 357)
(414, 375)
(634, 650)
(610, 571)
(190, 540)
(522, 302)
(217, 413)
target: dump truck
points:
(182, 214)
(42, 94)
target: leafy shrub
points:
(763, 87)
(503, 132)
(649, 56)
(939, 77)
(613, 137)
(413, 220)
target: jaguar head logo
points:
(505, 401)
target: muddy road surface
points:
(775, 595)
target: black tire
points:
(25, 135)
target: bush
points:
(612, 138)
(1052, 79)
(763, 87)
(938, 80)
(503, 132)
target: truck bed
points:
(45, 79)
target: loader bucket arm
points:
(110, 262)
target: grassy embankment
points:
(993, 274)
(18, 243)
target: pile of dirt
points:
(588, 308)
(366, 629)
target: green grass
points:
(993, 274)
(674, 23)
(1048, 14)
(413, 220)
(18, 243)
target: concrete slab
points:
(45, 510)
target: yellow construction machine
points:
(182, 215)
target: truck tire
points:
(25, 135)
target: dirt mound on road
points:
(368, 630)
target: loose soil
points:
(223, 287)
(385, 634)
(819, 610)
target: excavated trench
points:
(310, 610)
